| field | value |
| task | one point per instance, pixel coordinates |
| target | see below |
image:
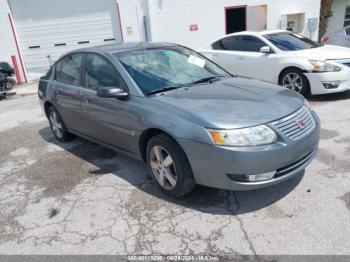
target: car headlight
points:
(321, 66)
(252, 136)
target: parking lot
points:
(80, 198)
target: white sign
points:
(196, 61)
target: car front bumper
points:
(217, 166)
(317, 81)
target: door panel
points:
(67, 85)
(249, 64)
(229, 60)
(253, 63)
(105, 119)
(258, 65)
(257, 18)
(226, 53)
(68, 104)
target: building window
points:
(347, 16)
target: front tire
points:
(57, 125)
(169, 166)
(295, 80)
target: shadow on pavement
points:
(203, 199)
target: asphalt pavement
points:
(81, 198)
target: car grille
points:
(292, 167)
(289, 125)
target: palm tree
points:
(325, 14)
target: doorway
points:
(236, 19)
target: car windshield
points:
(291, 42)
(166, 68)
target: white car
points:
(284, 58)
(341, 37)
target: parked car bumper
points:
(319, 81)
(219, 166)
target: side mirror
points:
(112, 92)
(265, 50)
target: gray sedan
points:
(186, 117)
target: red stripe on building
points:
(15, 65)
(120, 22)
(18, 50)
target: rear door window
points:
(231, 43)
(68, 69)
(217, 45)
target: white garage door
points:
(49, 28)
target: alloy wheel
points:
(293, 81)
(56, 124)
(163, 167)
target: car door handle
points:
(59, 92)
(240, 58)
(215, 55)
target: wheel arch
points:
(289, 68)
(146, 136)
(47, 105)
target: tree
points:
(325, 14)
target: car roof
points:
(265, 32)
(124, 47)
(253, 33)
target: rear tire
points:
(57, 125)
(295, 80)
(11, 83)
(169, 166)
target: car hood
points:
(326, 52)
(234, 102)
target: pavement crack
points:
(240, 221)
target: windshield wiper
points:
(164, 89)
(206, 79)
(161, 90)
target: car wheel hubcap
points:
(56, 124)
(293, 81)
(163, 167)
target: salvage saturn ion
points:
(186, 117)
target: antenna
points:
(50, 60)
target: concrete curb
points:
(30, 88)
